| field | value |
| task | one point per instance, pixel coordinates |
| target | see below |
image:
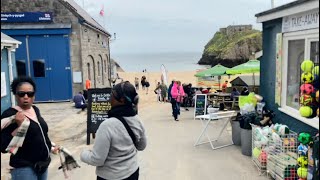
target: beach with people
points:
(166, 138)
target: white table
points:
(206, 119)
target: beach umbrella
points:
(252, 66)
(216, 70)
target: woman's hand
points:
(20, 118)
(55, 149)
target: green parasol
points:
(216, 70)
(252, 66)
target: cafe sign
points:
(301, 21)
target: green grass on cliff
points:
(221, 43)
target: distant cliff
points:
(232, 46)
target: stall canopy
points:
(252, 66)
(216, 70)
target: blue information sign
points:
(16, 17)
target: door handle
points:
(67, 68)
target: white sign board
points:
(301, 21)
(77, 77)
(3, 84)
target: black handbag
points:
(41, 166)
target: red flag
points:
(102, 11)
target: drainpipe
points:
(10, 65)
(109, 70)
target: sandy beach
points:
(154, 77)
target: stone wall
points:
(230, 30)
(87, 45)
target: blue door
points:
(58, 53)
(40, 69)
(50, 67)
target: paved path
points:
(170, 154)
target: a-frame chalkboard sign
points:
(98, 108)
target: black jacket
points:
(34, 147)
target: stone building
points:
(235, 28)
(62, 46)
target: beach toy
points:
(307, 77)
(302, 161)
(302, 150)
(275, 137)
(266, 131)
(263, 158)
(281, 129)
(305, 111)
(305, 100)
(302, 172)
(306, 89)
(256, 152)
(315, 70)
(304, 138)
(307, 65)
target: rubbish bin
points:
(246, 141)
(236, 137)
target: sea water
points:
(173, 61)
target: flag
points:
(102, 11)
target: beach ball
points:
(305, 99)
(307, 77)
(317, 96)
(302, 172)
(302, 150)
(315, 70)
(306, 89)
(256, 152)
(305, 111)
(302, 161)
(304, 138)
(307, 65)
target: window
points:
(89, 74)
(39, 68)
(295, 57)
(297, 46)
(21, 67)
(99, 68)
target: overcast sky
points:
(171, 25)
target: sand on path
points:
(170, 153)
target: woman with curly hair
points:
(24, 134)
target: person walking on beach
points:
(158, 92)
(24, 134)
(164, 90)
(136, 83)
(177, 94)
(169, 95)
(147, 84)
(118, 138)
(143, 82)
